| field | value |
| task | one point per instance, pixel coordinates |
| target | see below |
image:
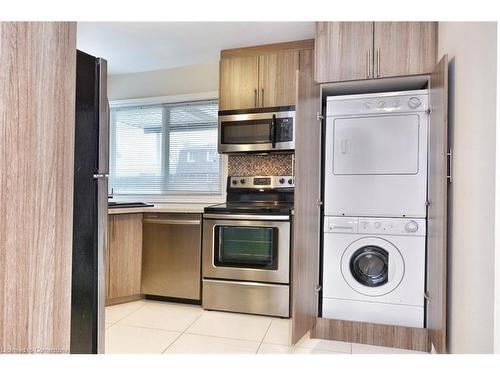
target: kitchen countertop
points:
(190, 208)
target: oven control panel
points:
(261, 182)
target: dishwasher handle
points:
(172, 221)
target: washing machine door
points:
(372, 266)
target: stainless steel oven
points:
(246, 247)
(257, 130)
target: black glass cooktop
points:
(270, 208)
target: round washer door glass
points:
(372, 266)
(369, 266)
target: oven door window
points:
(247, 247)
(246, 132)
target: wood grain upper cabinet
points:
(125, 255)
(260, 76)
(404, 48)
(343, 51)
(277, 81)
(238, 82)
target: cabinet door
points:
(238, 82)
(106, 259)
(438, 209)
(277, 83)
(343, 51)
(125, 253)
(404, 48)
(306, 222)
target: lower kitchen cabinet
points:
(171, 263)
(124, 261)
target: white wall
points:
(471, 48)
(176, 81)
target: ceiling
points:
(143, 46)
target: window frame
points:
(171, 198)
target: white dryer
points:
(374, 270)
(376, 154)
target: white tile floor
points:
(159, 327)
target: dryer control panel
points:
(386, 103)
(373, 225)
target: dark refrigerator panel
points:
(90, 206)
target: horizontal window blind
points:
(168, 149)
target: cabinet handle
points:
(378, 62)
(262, 105)
(368, 64)
(112, 218)
(370, 59)
(172, 221)
(255, 98)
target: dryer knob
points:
(411, 226)
(414, 102)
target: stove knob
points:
(242, 180)
(411, 226)
(235, 182)
(290, 181)
(282, 180)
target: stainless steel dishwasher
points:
(171, 255)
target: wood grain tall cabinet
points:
(437, 214)
(37, 122)
(401, 52)
(306, 219)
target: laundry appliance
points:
(376, 155)
(374, 270)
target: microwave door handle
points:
(273, 130)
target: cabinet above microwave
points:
(257, 130)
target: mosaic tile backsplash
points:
(260, 165)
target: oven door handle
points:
(247, 217)
(273, 131)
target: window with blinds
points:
(168, 149)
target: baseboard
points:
(173, 299)
(116, 301)
(409, 338)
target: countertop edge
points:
(171, 208)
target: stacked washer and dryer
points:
(375, 195)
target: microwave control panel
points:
(284, 131)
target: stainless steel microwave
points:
(257, 130)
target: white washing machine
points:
(376, 154)
(374, 270)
